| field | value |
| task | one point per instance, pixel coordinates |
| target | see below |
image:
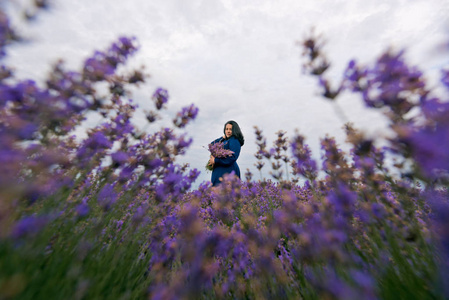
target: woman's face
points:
(228, 130)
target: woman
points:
(233, 140)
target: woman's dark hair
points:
(235, 131)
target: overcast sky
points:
(239, 60)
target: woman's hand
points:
(211, 160)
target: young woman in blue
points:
(233, 140)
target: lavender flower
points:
(107, 196)
(185, 116)
(83, 209)
(160, 97)
(217, 150)
(303, 164)
(119, 158)
(29, 226)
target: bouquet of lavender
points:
(217, 150)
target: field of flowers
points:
(113, 216)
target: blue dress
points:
(228, 164)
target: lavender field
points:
(115, 216)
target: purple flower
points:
(389, 81)
(83, 209)
(378, 210)
(28, 226)
(27, 131)
(428, 144)
(174, 183)
(119, 157)
(218, 150)
(185, 115)
(97, 142)
(304, 164)
(182, 143)
(119, 225)
(104, 64)
(125, 46)
(98, 67)
(107, 196)
(330, 284)
(160, 97)
(140, 214)
(342, 199)
(439, 204)
(353, 77)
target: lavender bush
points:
(113, 216)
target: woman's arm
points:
(212, 159)
(234, 145)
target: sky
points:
(240, 60)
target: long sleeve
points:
(234, 145)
